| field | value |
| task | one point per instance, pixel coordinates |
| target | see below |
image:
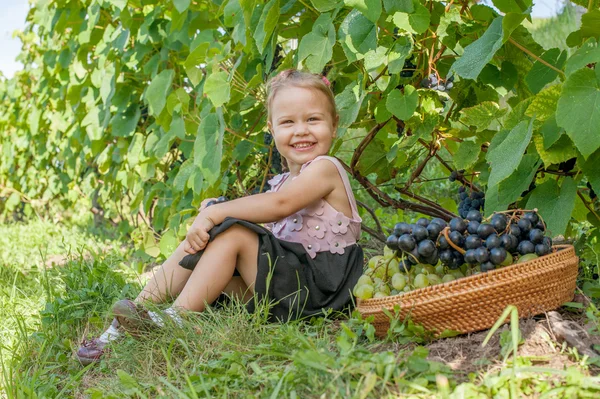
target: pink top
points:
(318, 227)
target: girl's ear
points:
(270, 126)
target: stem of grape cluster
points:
(456, 247)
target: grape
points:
(527, 258)
(474, 216)
(364, 279)
(434, 279)
(383, 288)
(540, 226)
(447, 278)
(439, 270)
(400, 130)
(443, 243)
(446, 257)
(402, 228)
(392, 242)
(434, 231)
(406, 242)
(433, 258)
(380, 294)
(508, 260)
(457, 260)
(364, 291)
(484, 230)
(470, 257)
(398, 281)
(548, 242)
(497, 256)
(457, 224)
(440, 222)
(405, 266)
(482, 255)
(536, 236)
(423, 222)
(374, 261)
(388, 253)
(426, 83)
(379, 272)
(493, 241)
(532, 217)
(472, 242)
(542, 249)
(515, 230)
(526, 247)
(419, 232)
(509, 242)
(457, 238)
(524, 225)
(472, 227)
(426, 248)
(421, 281)
(393, 267)
(487, 266)
(498, 221)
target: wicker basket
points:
(475, 303)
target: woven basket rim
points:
(463, 281)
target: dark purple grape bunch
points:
(408, 69)
(456, 175)
(432, 82)
(473, 201)
(217, 201)
(593, 195)
(416, 243)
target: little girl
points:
(306, 257)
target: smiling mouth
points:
(303, 145)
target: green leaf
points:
(181, 5)
(590, 24)
(510, 23)
(481, 115)
(357, 35)
(555, 204)
(416, 22)
(208, 147)
(124, 123)
(588, 53)
(540, 75)
(561, 151)
(392, 6)
(401, 49)
(156, 93)
(543, 105)
(217, 88)
(402, 105)
(185, 171)
(550, 131)
(316, 48)
(369, 8)
(506, 156)
(168, 243)
(325, 5)
(348, 103)
(135, 149)
(591, 170)
(266, 24)
(374, 160)
(480, 52)
(578, 110)
(507, 6)
(467, 154)
(498, 197)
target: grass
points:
(221, 353)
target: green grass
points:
(221, 353)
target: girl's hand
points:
(197, 236)
(205, 202)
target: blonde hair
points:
(296, 78)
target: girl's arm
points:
(315, 182)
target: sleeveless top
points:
(319, 227)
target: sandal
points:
(90, 351)
(133, 318)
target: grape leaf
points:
(543, 105)
(348, 103)
(374, 160)
(510, 23)
(416, 22)
(590, 24)
(185, 171)
(402, 105)
(325, 5)
(506, 156)
(135, 149)
(540, 75)
(208, 147)
(124, 123)
(357, 35)
(156, 93)
(168, 243)
(467, 154)
(266, 24)
(591, 170)
(517, 6)
(550, 131)
(391, 6)
(480, 52)
(588, 53)
(555, 204)
(578, 110)
(369, 8)
(316, 47)
(400, 51)
(181, 5)
(481, 115)
(559, 152)
(217, 88)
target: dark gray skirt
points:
(296, 285)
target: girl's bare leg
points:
(235, 247)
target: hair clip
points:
(326, 81)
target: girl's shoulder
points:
(333, 160)
(277, 179)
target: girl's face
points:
(301, 124)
